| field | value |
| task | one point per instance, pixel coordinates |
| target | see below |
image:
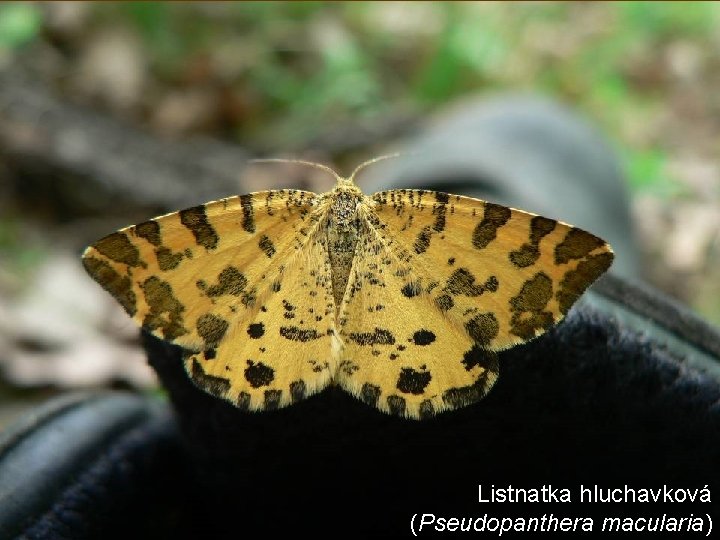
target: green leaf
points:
(647, 173)
(19, 24)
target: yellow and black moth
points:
(402, 298)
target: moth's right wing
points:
(441, 283)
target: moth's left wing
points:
(442, 283)
(242, 283)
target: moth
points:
(402, 298)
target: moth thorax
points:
(342, 236)
(343, 211)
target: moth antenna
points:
(364, 164)
(300, 161)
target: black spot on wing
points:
(534, 294)
(494, 217)
(120, 287)
(167, 260)
(461, 396)
(117, 247)
(541, 227)
(165, 311)
(212, 329)
(266, 245)
(576, 245)
(527, 306)
(464, 395)
(256, 330)
(259, 374)
(248, 219)
(379, 336)
(370, 394)
(243, 401)
(462, 281)
(196, 221)
(397, 405)
(426, 410)
(529, 253)
(439, 211)
(423, 337)
(444, 302)
(230, 281)
(477, 356)
(217, 386)
(298, 391)
(411, 289)
(272, 399)
(150, 231)
(441, 197)
(524, 256)
(293, 333)
(483, 328)
(422, 242)
(413, 382)
(574, 282)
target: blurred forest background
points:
(96, 96)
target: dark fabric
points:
(589, 403)
(133, 484)
(674, 318)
